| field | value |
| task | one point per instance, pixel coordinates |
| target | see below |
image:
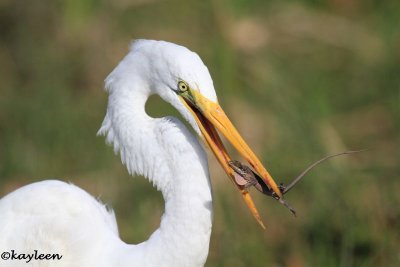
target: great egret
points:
(56, 217)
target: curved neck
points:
(165, 152)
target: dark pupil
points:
(183, 87)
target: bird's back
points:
(54, 217)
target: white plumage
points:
(57, 217)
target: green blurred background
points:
(300, 79)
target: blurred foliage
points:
(301, 79)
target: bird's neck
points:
(165, 152)
(185, 229)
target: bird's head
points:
(180, 77)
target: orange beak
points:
(210, 117)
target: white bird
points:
(57, 217)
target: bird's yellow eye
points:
(182, 86)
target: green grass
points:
(301, 79)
